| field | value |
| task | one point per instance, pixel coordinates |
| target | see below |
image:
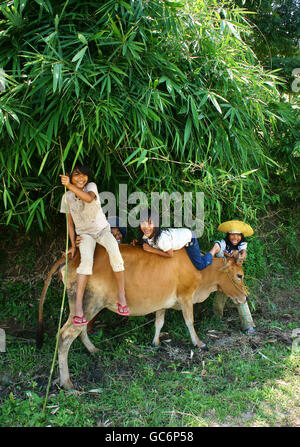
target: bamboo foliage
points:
(161, 95)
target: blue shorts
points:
(199, 261)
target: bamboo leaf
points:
(68, 146)
(80, 54)
(43, 162)
(77, 153)
(57, 76)
(115, 28)
(143, 158)
(213, 99)
(132, 155)
(187, 130)
(9, 129)
(82, 38)
(171, 89)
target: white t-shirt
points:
(173, 238)
(88, 217)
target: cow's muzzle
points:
(240, 300)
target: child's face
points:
(235, 238)
(78, 179)
(147, 227)
(117, 234)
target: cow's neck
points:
(202, 293)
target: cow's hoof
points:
(203, 348)
(94, 351)
(68, 385)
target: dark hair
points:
(147, 214)
(115, 223)
(229, 245)
(83, 169)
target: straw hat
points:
(236, 226)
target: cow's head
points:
(231, 281)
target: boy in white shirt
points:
(86, 218)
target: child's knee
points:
(203, 261)
(117, 263)
(85, 267)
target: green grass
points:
(237, 387)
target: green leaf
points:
(115, 28)
(43, 4)
(143, 158)
(215, 102)
(82, 38)
(43, 163)
(132, 155)
(8, 127)
(57, 76)
(68, 146)
(187, 130)
(80, 54)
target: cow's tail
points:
(40, 329)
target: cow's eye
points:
(240, 276)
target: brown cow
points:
(153, 284)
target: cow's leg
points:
(87, 342)
(159, 322)
(247, 322)
(67, 335)
(188, 315)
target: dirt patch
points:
(178, 356)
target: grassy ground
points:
(240, 381)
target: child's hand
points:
(134, 242)
(147, 247)
(242, 254)
(233, 254)
(77, 241)
(65, 180)
(71, 252)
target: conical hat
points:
(236, 226)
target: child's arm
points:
(157, 251)
(85, 196)
(215, 250)
(71, 228)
